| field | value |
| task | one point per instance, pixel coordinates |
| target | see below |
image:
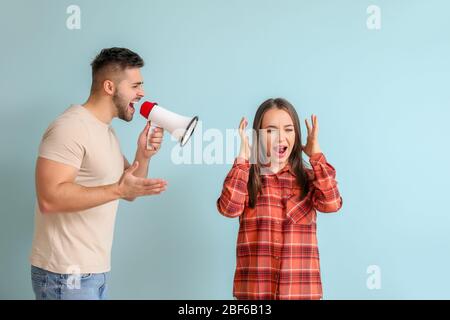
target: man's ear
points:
(109, 87)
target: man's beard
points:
(122, 107)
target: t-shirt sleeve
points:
(65, 143)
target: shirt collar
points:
(286, 168)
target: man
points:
(80, 176)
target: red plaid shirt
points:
(277, 253)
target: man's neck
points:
(100, 108)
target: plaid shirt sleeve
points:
(323, 196)
(234, 196)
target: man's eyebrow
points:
(141, 82)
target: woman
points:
(276, 197)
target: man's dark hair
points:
(114, 60)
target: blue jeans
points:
(54, 286)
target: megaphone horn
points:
(179, 126)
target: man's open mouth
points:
(131, 105)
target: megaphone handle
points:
(149, 133)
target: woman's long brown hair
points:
(295, 158)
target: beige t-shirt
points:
(79, 242)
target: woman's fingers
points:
(316, 126)
(308, 128)
(242, 125)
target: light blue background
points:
(382, 99)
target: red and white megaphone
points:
(179, 126)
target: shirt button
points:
(277, 257)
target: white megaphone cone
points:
(179, 127)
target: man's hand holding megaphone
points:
(149, 141)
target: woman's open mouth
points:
(281, 151)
